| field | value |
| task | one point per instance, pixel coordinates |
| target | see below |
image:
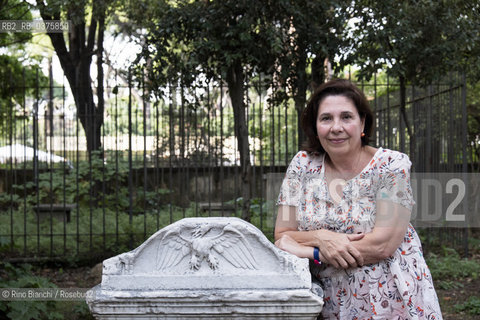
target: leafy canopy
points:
(419, 40)
(207, 37)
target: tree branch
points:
(57, 39)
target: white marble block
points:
(220, 268)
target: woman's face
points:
(339, 126)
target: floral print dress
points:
(399, 287)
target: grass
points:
(471, 306)
(456, 280)
(94, 232)
(449, 266)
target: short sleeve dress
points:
(399, 287)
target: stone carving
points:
(121, 264)
(205, 242)
(221, 268)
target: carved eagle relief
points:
(205, 243)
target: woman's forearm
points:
(288, 244)
(371, 250)
(379, 244)
(307, 238)
(373, 247)
(334, 248)
(387, 235)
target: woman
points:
(347, 205)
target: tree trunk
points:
(318, 71)
(98, 119)
(300, 97)
(402, 112)
(403, 115)
(236, 88)
(87, 112)
(76, 61)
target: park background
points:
(146, 112)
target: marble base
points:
(222, 268)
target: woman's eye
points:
(347, 116)
(324, 118)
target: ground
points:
(83, 277)
(87, 277)
(449, 298)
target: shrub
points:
(21, 277)
(471, 306)
(450, 266)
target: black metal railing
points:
(170, 157)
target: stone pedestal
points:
(220, 268)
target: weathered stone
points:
(205, 268)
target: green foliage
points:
(21, 277)
(471, 306)
(473, 122)
(81, 311)
(262, 216)
(100, 225)
(101, 194)
(15, 78)
(14, 10)
(87, 183)
(417, 40)
(189, 38)
(93, 233)
(262, 213)
(449, 266)
(449, 285)
(474, 243)
(448, 269)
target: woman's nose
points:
(336, 126)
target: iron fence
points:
(176, 156)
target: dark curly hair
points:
(337, 87)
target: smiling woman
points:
(346, 206)
(339, 130)
(339, 124)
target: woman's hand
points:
(337, 249)
(288, 244)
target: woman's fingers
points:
(342, 263)
(350, 260)
(335, 249)
(356, 255)
(344, 260)
(333, 256)
(355, 236)
(339, 252)
(321, 256)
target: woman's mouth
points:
(337, 141)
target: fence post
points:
(464, 159)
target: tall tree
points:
(235, 40)
(16, 82)
(312, 36)
(84, 41)
(418, 41)
(14, 10)
(15, 78)
(231, 40)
